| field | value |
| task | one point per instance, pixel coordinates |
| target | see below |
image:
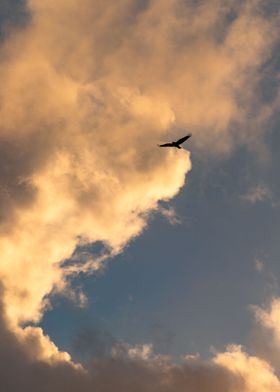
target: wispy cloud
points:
(259, 265)
(170, 214)
(260, 193)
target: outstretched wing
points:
(166, 145)
(183, 139)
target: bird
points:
(177, 143)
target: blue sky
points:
(188, 287)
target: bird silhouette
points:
(177, 143)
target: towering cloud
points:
(88, 89)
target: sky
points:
(125, 266)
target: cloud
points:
(260, 193)
(265, 334)
(191, 357)
(105, 374)
(270, 319)
(87, 91)
(170, 214)
(80, 155)
(231, 371)
(259, 265)
(256, 374)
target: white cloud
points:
(260, 193)
(191, 357)
(259, 265)
(170, 214)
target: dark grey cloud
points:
(20, 372)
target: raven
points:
(177, 143)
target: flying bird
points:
(177, 143)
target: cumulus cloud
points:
(87, 91)
(265, 333)
(135, 369)
(257, 374)
(270, 318)
(80, 163)
(35, 373)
